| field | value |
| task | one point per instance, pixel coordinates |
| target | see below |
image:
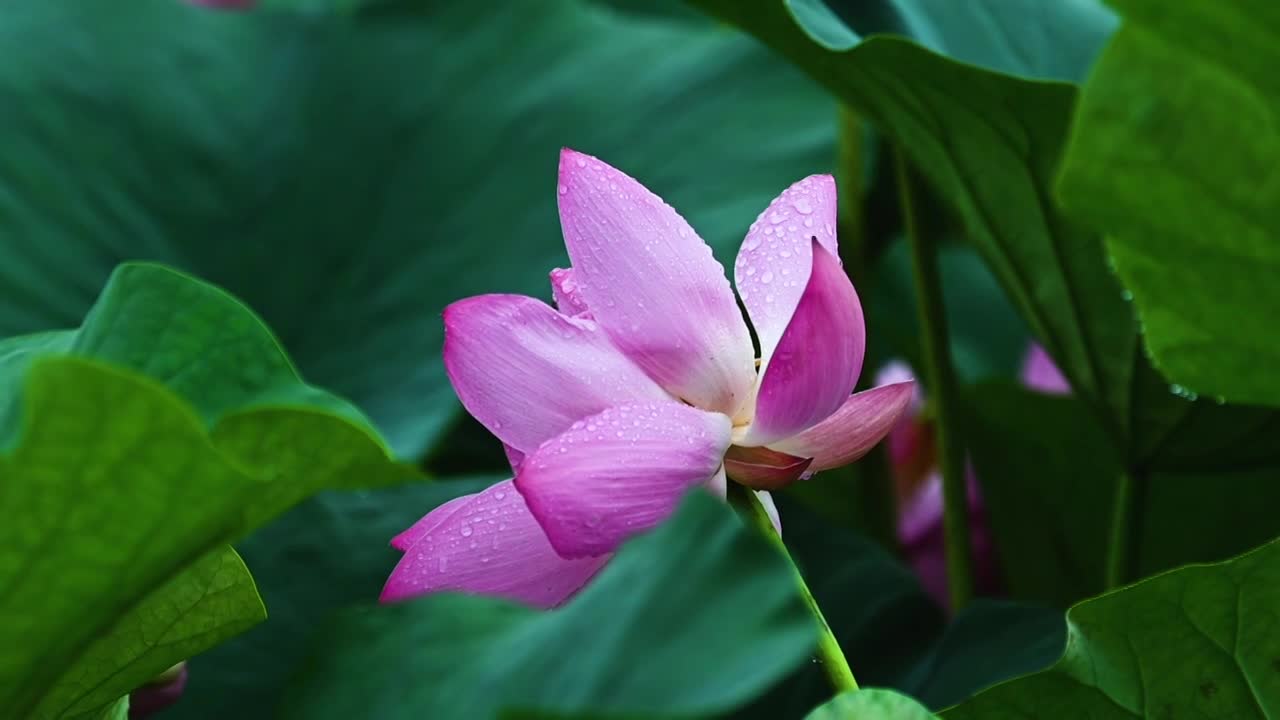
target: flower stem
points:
(852, 186)
(870, 483)
(941, 381)
(829, 653)
(1126, 529)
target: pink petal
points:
(1041, 374)
(621, 472)
(428, 522)
(653, 286)
(817, 361)
(527, 372)
(850, 432)
(487, 544)
(564, 288)
(772, 269)
(764, 469)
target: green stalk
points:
(1126, 529)
(829, 653)
(941, 381)
(871, 482)
(851, 184)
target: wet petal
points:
(620, 472)
(772, 268)
(817, 361)
(564, 289)
(487, 544)
(653, 285)
(850, 432)
(428, 522)
(526, 372)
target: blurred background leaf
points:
(348, 175)
(1028, 38)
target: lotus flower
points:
(644, 385)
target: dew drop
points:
(563, 190)
(582, 163)
(802, 206)
(466, 531)
(777, 218)
(767, 277)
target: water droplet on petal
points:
(466, 531)
(767, 277)
(802, 206)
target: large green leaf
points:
(694, 618)
(1030, 38)
(114, 487)
(347, 175)
(136, 446)
(1174, 155)
(1201, 642)
(989, 145)
(1049, 477)
(210, 601)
